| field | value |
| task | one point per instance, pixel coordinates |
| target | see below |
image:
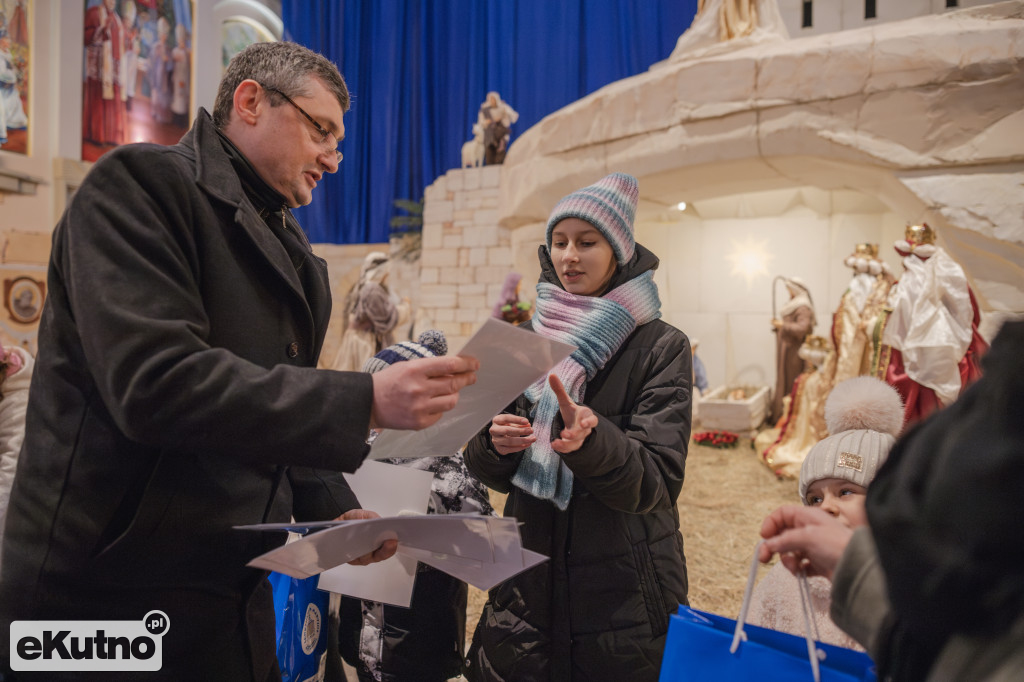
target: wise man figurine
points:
(930, 348)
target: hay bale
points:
(726, 495)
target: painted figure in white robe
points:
(930, 346)
(854, 321)
(12, 113)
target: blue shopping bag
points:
(705, 646)
(302, 613)
(698, 643)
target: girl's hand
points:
(579, 420)
(511, 433)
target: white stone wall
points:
(466, 254)
(458, 276)
(725, 301)
(925, 115)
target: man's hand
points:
(414, 394)
(511, 433)
(806, 538)
(387, 548)
(579, 420)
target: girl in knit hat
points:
(423, 642)
(864, 416)
(592, 460)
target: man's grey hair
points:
(283, 66)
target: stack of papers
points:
(480, 550)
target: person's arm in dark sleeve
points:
(860, 601)
(641, 468)
(127, 264)
(320, 495)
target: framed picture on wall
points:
(14, 74)
(24, 292)
(137, 73)
(23, 298)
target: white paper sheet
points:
(389, 490)
(476, 573)
(510, 360)
(482, 550)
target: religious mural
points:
(137, 83)
(14, 75)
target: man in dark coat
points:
(176, 393)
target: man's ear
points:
(249, 101)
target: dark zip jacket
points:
(599, 608)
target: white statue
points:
(473, 150)
(722, 25)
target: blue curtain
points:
(418, 71)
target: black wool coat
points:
(175, 395)
(599, 608)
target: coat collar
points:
(216, 176)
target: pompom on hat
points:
(609, 205)
(431, 344)
(864, 416)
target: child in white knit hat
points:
(864, 416)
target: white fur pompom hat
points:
(864, 416)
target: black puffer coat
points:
(599, 608)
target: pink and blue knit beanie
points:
(609, 205)
(431, 343)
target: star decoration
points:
(749, 259)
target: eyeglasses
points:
(325, 135)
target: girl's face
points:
(582, 257)
(841, 499)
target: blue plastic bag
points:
(697, 648)
(301, 611)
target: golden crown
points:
(866, 250)
(920, 234)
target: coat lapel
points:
(216, 176)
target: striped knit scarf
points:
(597, 326)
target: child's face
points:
(841, 499)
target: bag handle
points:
(813, 652)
